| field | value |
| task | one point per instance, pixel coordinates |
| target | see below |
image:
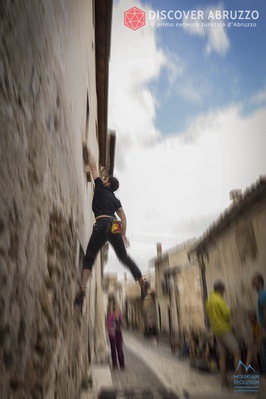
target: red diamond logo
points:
(134, 18)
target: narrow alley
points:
(137, 381)
(153, 372)
(67, 129)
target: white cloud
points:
(173, 187)
(189, 92)
(135, 62)
(259, 98)
(179, 187)
(211, 29)
(174, 66)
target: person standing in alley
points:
(219, 315)
(114, 327)
(257, 282)
(107, 228)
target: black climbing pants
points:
(100, 235)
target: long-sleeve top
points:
(112, 322)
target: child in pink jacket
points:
(114, 326)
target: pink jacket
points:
(111, 323)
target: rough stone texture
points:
(182, 300)
(189, 299)
(47, 71)
(224, 260)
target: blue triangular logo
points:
(249, 367)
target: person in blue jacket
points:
(258, 285)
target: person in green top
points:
(219, 316)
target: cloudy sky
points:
(188, 105)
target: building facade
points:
(232, 249)
(178, 293)
(54, 87)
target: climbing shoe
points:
(144, 287)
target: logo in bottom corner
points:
(246, 378)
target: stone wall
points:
(189, 299)
(48, 109)
(181, 305)
(233, 257)
(187, 288)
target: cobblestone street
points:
(136, 381)
(151, 372)
(135, 375)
